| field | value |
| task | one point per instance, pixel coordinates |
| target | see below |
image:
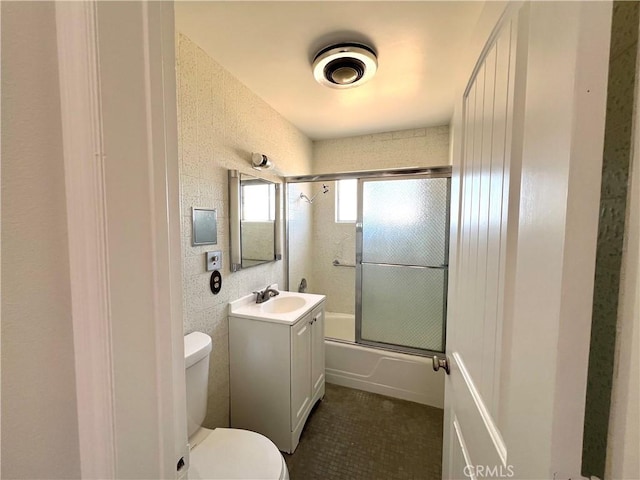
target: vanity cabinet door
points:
(317, 349)
(300, 369)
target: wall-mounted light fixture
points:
(260, 161)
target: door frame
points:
(86, 219)
(109, 373)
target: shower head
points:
(325, 189)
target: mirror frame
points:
(235, 215)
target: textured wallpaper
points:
(615, 175)
(220, 123)
(424, 147)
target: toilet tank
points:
(197, 347)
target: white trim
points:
(118, 382)
(483, 412)
(86, 219)
(161, 116)
(463, 447)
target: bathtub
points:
(399, 375)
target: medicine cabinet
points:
(255, 220)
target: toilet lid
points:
(230, 453)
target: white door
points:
(527, 155)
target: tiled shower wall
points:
(615, 175)
(220, 122)
(331, 241)
(301, 237)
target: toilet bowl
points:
(222, 453)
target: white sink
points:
(286, 307)
(283, 304)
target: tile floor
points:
(354, 435)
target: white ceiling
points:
(269, 47)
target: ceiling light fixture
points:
(345, 65)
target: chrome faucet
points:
(266, 294)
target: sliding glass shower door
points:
(402, 262)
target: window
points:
(254, 207)
(346, 201)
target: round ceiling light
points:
(345, 65)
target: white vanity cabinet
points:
(307, 365)
(276, 370)
(317, 352)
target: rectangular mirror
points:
(205, 226)
(254, 219)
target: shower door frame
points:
(386, 174)
(359, 250)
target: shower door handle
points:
(441, 362)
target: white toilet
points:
(222, 453)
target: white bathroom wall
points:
(220, 122)
(423, 147)
(39, 422)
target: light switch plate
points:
(214, 260)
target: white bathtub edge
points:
(350, 382)
(430, 390)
